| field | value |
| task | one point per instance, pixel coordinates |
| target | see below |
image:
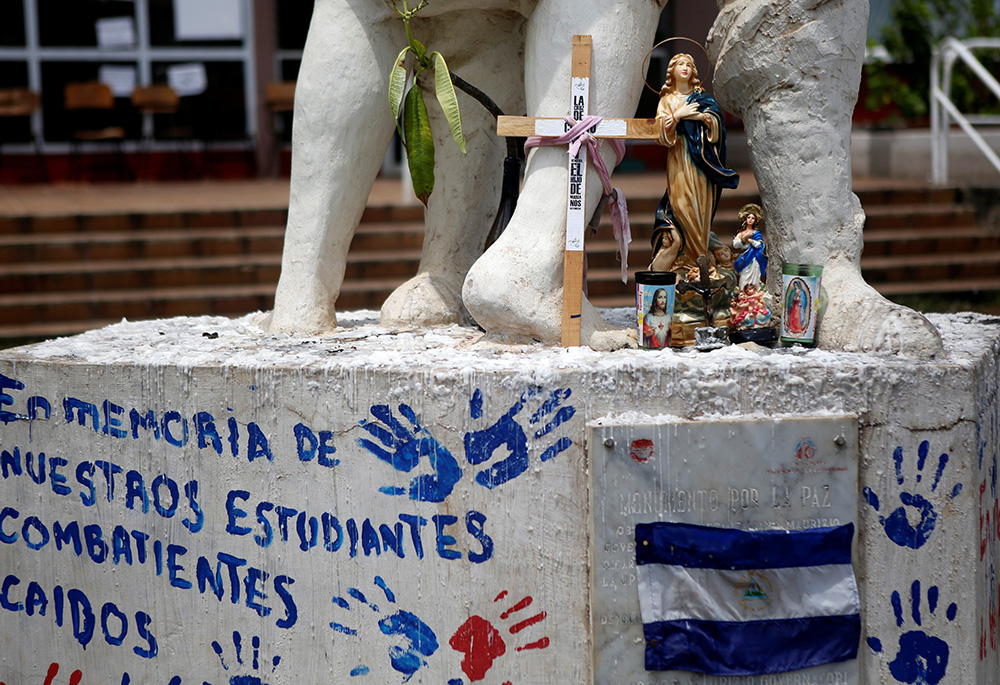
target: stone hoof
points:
(602, 336)
(262, 320)
(609, 341)
(424, 300)
(300, 321)
(858, 319)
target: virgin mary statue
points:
(690, 124)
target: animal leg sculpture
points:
(342, 127)
(515, 289)
(792, 73)
(484, 49)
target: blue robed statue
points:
(752, 262)
(691, 125)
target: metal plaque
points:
(752, 474)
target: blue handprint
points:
(922, 659)
(238, 648)
(418, 640)
(897, 526)
(404, 448)
(506, 432)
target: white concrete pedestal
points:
(193, 501)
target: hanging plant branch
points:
(410, 111)
(513, 149)
(481, 97)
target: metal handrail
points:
(945, 54)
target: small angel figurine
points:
(752, 262)
(750, 309)
(722, 255)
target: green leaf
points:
(445, 92)
(420, 51)
(419, 144)
(397, 83)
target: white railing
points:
(943, 109)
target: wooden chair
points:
(90, 107)
(22, 103)
(281, 96)
(280, 101)
(155, 99)
(161, 102)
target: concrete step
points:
(111, 221)
(918, 216)
(28, 332)
(63, 313)
(185, 242)
(607, 283)
(149, 244)
(35, 308)
(906, 196)
(960, 267)
(389, 235)
(63, 273)
(168, 272)
(933, 240)
(941, 286)
(103, 222)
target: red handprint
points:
(74, 678)
(482, 643)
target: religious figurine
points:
(722, 255)
(700, 282)
(752, 262)
(691, 126)
(708, 336)
(751, 308)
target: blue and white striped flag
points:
(732, 602)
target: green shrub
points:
(903, 81)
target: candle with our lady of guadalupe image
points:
(800, 291)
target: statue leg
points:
(515, 289)
(484, 49)
(342, 127)
(793, 75)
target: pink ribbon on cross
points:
(578, 135)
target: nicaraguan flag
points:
(732, 602)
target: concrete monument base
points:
(196, 501)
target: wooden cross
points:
(634, 129)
